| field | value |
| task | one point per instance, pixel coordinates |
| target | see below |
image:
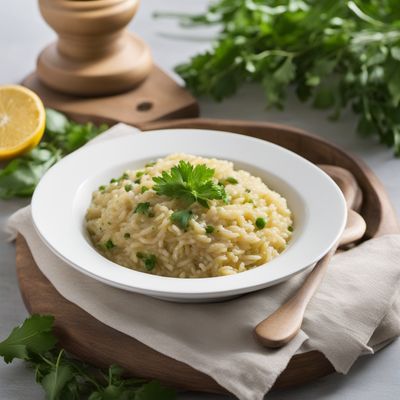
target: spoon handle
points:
(284, 324)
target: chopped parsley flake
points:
(102, 188)
(144, 189)
(225, 197)
(139, 174)
(127, 235)
(109, 244)
(290, 229)
(260, 223)
(209, 229)
(142, 208)
(150, 164)
(231, 180)
(149, 260)
(113, 180)
(123, 176)
(137, 180)
(181, 218)
(128, 187)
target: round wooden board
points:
(94, 342)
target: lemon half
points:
(22, 120)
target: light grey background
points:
(23, 34)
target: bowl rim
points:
(47, 205)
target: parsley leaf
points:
(21, 175)
(62, 136)
(231, 180)
(209, 229)
(67, 135)
(63, 377)
(181, 218)
(142, 208)
(109, 244)
(189, 183)
(149, 260)
(153, 390)
(336, 54)
(56, 122)
(34, 335)
(55, 382)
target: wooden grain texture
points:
(94, 342)
(94, 54)
(159, 97)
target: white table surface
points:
(23, 33)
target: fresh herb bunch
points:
(65, 378)
(190, 184)
(62, 136)
(336, 54)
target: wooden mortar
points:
(94, 55)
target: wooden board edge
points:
(162, 98)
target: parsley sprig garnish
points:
(64, 377)
(190, 184)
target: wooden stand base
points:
(94, 54)
(159, 97)
(114, 74)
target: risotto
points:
(189, 217)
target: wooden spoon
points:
(347, 183)
(284, 324)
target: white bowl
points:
(63, 195)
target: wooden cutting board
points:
(94, 342)
(159, 97)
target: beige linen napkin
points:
(355, 311)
